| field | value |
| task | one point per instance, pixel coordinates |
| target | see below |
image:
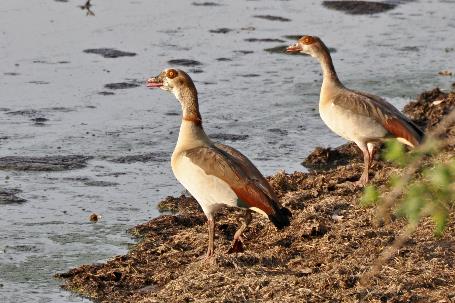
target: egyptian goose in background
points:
(356, 116)
(215, 174)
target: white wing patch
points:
(349, 125)
(211, 192)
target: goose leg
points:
(372, 151)
(211, 228)
(366, 162)
(237, 245)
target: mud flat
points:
(331, 242)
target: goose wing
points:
(396, 123)
(238, 172)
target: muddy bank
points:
(331, 242)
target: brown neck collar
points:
(193, 118)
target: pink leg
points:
(366, 162)
(371, 151)
(211, 227)
(237, 245)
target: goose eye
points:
(308, 39)
(171, 74)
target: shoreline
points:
(331, 242)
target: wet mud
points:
(321, 257)
(359, 7)
(47, 163)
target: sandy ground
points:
(321, 257)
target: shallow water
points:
(269, 100)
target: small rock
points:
(445, 73)
(94, 218)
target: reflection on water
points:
(59, 100)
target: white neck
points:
(191, 135)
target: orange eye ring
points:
(171, 74)
(308, 40)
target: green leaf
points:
(413, 203)
(440, 176)
(395, 152)
(370, 195)
(440, 218)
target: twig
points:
(388, 253)
(432, 139)
(87, 7)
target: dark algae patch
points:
(122, 85)
(184, 62)
(228, 137)
(272, 18)
(263, 40)
(9, 196)
(205, 4)
(105, 93)
(359, 7)
(47, 163)
(109, 52)
(321, 257)
(149, 157)
(328, 158)
(222, 30)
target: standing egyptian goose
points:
(215, 174)
(356, 116)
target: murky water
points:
(268, 100)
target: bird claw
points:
(237, 247)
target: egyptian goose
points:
(356, 116)
(215, 174)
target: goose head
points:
(172, 80)
(310, 45)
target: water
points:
(272, 98)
